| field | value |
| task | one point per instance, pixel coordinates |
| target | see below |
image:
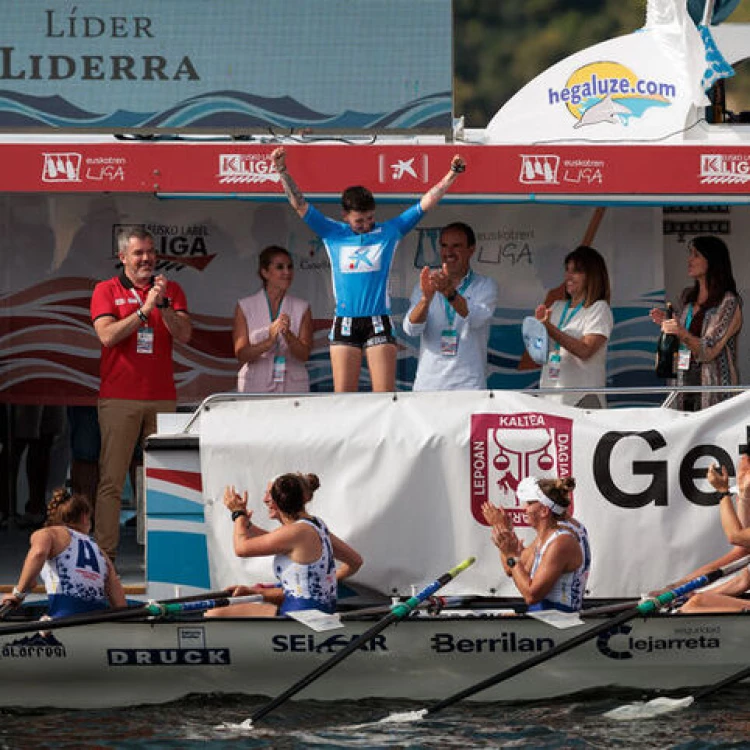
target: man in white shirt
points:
(450, 310)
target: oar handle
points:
(404, 608)
(158, 609)
(649, 606)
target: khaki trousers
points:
(123, 423)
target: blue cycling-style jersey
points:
(361, 263)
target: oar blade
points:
(649, 710)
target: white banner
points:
(403, 478)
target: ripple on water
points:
(222, 722)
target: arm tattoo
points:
(436, 192)
(290, 188)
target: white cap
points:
(529, 491)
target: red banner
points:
(616, 172)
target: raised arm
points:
(293, 193)
(433, 196)
(730, 522)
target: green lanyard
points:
(688, 321)
(450, 313)
(270, 312)
(565, 318)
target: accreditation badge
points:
(279, 369)
(683, 358)
(553, 366)
(449, 342)
(145, 341)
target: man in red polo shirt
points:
(136, 316)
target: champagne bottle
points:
(666, 351)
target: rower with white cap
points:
(552, 572)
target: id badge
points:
(683, 358)
(449, 342)
(377, 325)
(145, 341)
(346, 327)
(279, 369)
(553, 367)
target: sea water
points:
(721, 721)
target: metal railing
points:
(669, 393)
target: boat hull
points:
(423, 658)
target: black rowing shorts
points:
(362, 332)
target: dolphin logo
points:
(605, 110)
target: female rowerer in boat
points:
(305, 552)
(550, 573)
(727, 597)
(77, 575)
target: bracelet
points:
(458, 168)
(18, 594)
(450, 297)
(164, 304)
(238, 514)
(142, 315)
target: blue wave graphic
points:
(218, 110)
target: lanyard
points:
(565, 318)
(270, 312)
(689, 316)
(450, 313)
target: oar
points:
(439, 603)
(398, 612)
(664, 705)
(644, 608)
(150, 609)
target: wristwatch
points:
(165, 303)
(511, 562)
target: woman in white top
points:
(273, 331)
(579, 328)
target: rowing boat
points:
(425, 657)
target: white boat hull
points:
(424, 658)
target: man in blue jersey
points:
(361, 252)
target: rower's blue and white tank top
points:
(582, 535)
(75, 579)
(567, 593)
(308, 585)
